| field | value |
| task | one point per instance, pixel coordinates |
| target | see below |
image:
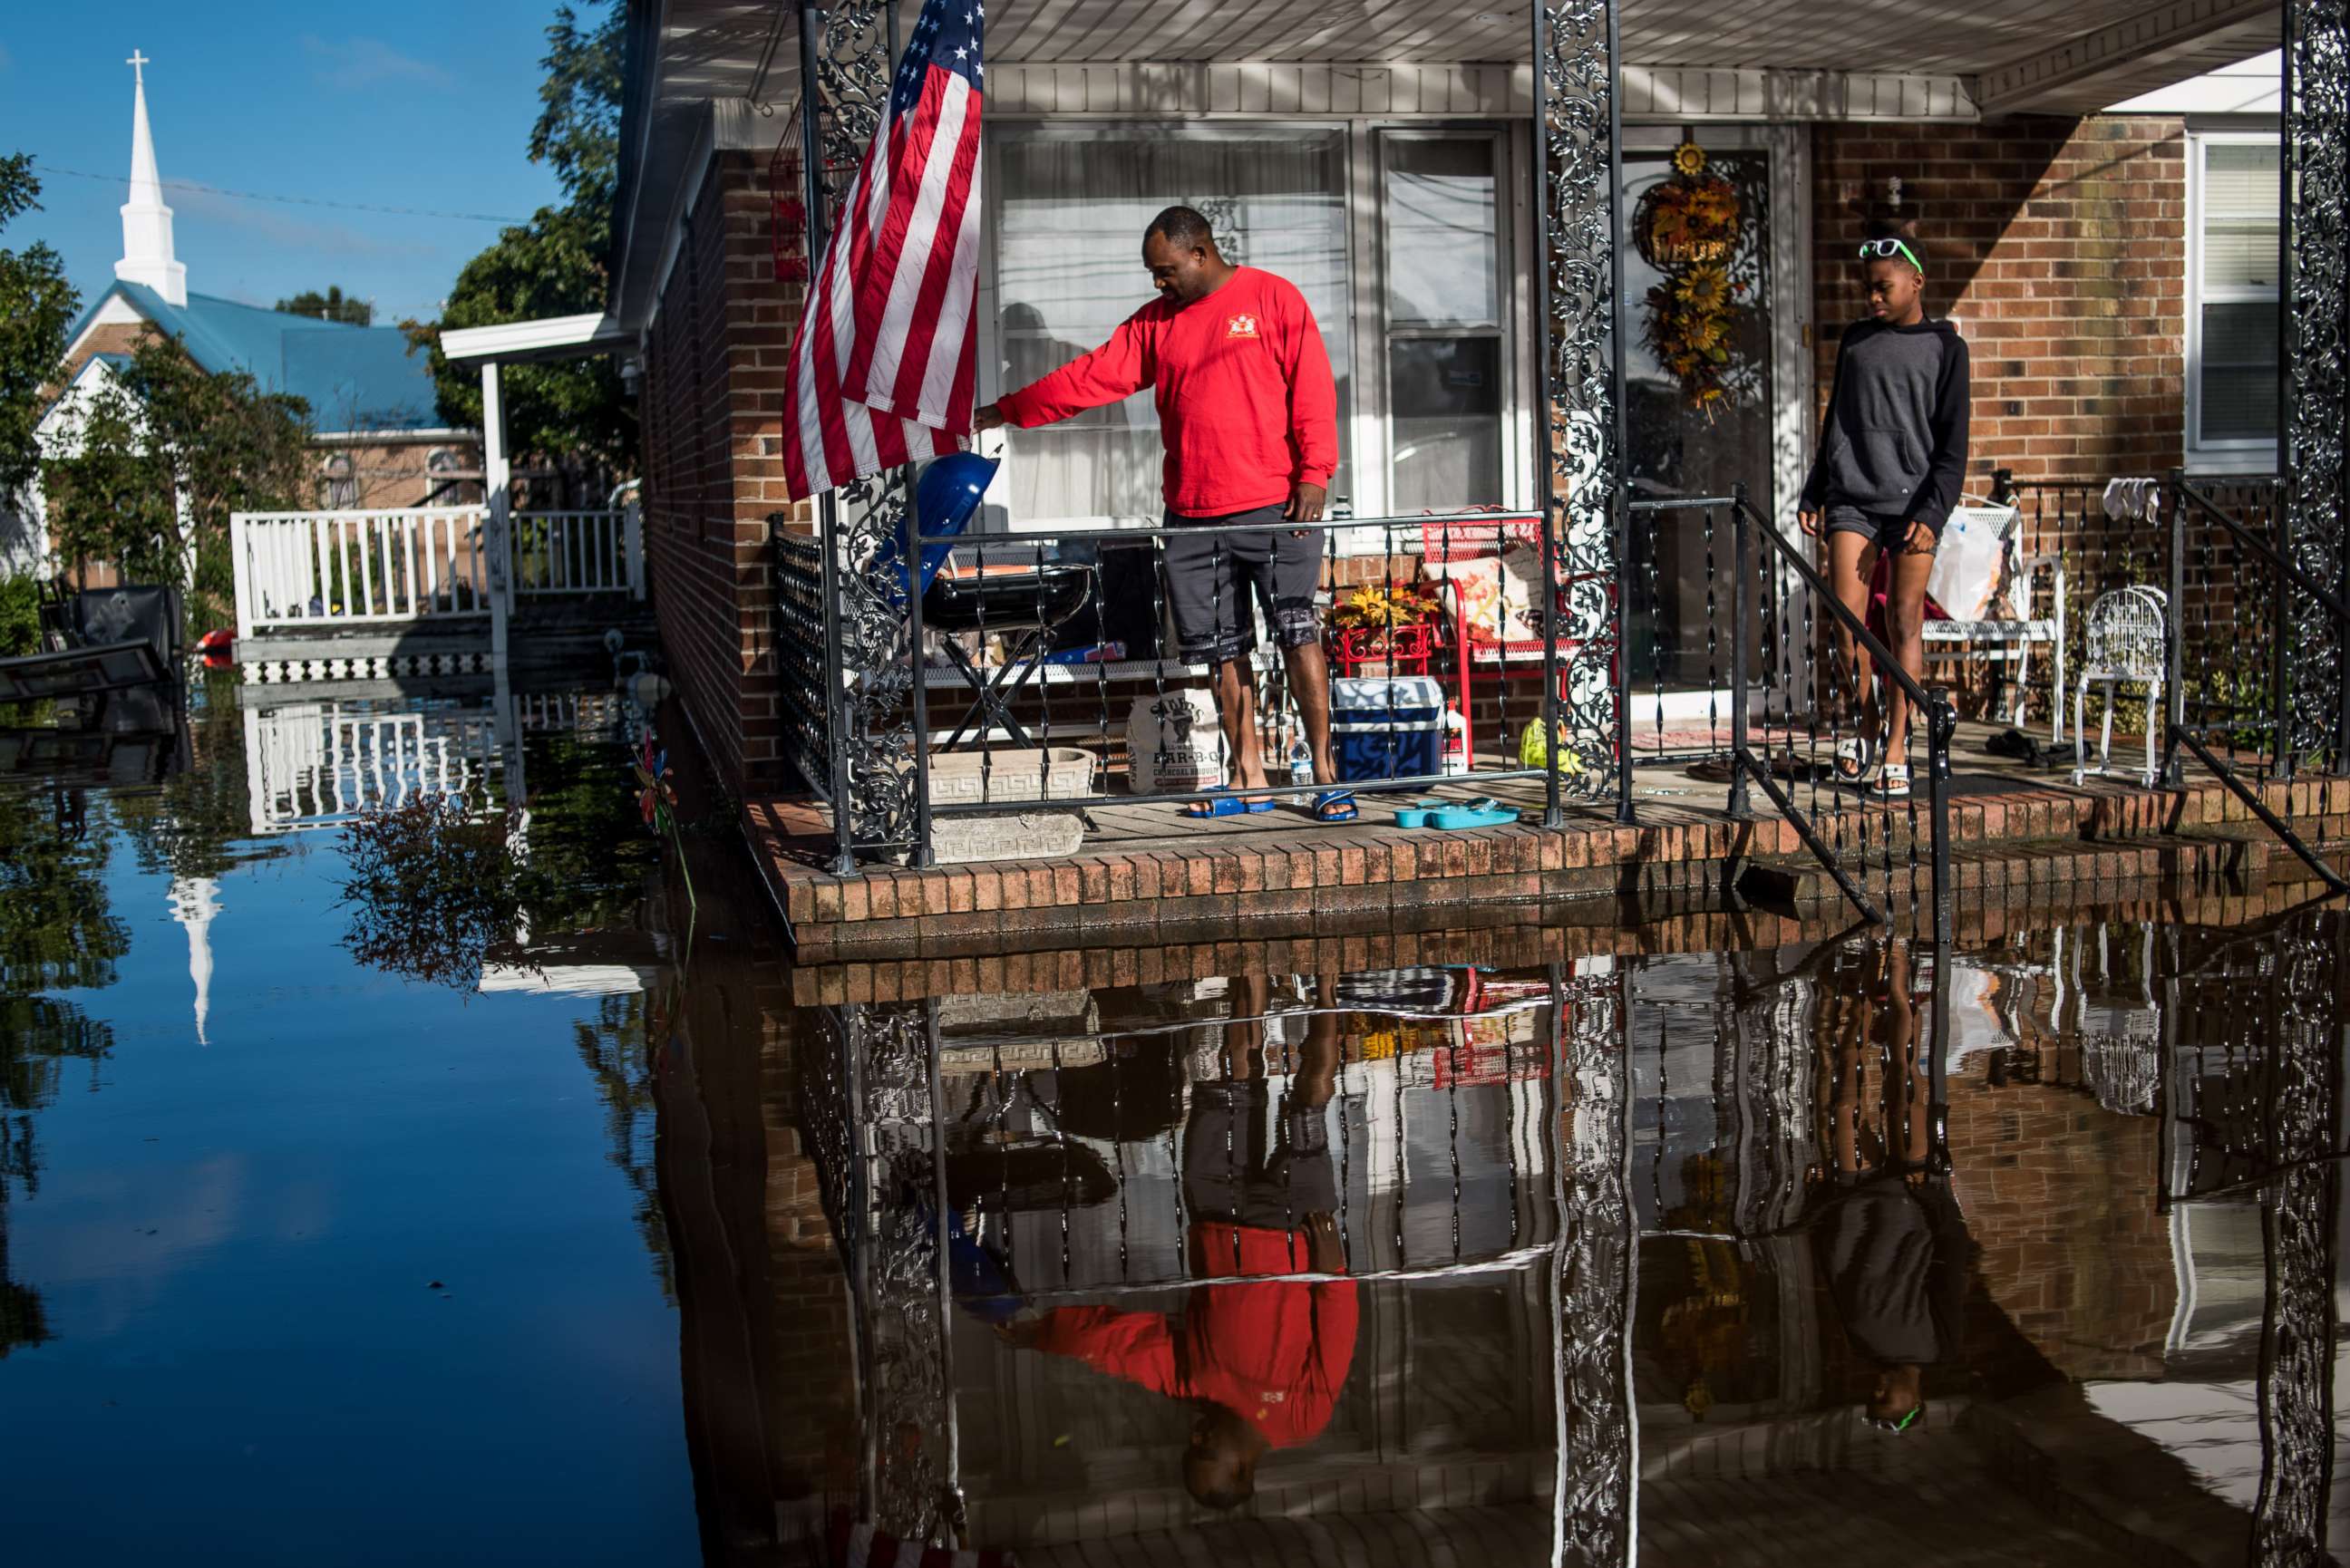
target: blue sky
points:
(427, 104)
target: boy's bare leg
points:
(1852, 557)
(1905, 632)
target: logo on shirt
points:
(1241, 327)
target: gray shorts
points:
(1214, 581)
(1238, 1171)
(1888, 531)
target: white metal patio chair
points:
(2124, 637)
(2005, 630)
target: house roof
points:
(353, 377)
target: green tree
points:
(166, 454)
(577, 414)
(332, 306)
(36, 308)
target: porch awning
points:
(547, 338)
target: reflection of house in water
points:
(2109, 1344)
(319, 761)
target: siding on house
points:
(2060, 247)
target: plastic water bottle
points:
(1456, 741)
(1301, 766)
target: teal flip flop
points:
(1415, 814)
(1486, 812)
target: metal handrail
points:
(2267, 551)
(1940, 718)
(2180, 733)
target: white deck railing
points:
(575, 552)
(319, 764)
(318, 569)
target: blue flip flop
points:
(1226, 806)
(1336, 806)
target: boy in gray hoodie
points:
(1893, 452)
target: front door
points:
(1707, 396)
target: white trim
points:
(520, 342)
(2066, 78)
(2215, 456)
(441, 435)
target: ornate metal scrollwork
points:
(1594, 1278)
(874, 727)
(2315, 193)
(2297, 1331)
(866, 1114)
(1576, 84)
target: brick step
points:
(2218, 860)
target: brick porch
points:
(1148, 877)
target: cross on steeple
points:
(138, 64)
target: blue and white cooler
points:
(1387, 726)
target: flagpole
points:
(828, 513)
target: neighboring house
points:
(1385, 166)
(379, 440)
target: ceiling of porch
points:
(704, 70)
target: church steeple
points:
(146, 221)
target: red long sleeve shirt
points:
(1275, 1352)
(1247, 406)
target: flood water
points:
(513, 1200)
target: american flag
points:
(883, 365)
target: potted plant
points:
(1385, 629)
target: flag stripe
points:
(886, 354)
(903, 332)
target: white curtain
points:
(1071, 203)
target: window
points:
(1444, 329)
(2232, 350)
(341, 483)
(1071, 203)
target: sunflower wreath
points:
(1687, 227)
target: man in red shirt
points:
(1262, 1358)
(1248, 410)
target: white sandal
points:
(1852, 762)
(1893, 780)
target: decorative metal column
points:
(867, 1089)
(2316, 191)
(847, 54)
(1579, 419)
(1594, 1276)
(2299, 1220)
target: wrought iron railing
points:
(1825, 672)
(2246, 699)
(1056, 664)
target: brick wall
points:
(715, 373)
(2060, 247)
(2057, 1193)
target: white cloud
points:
(286, 231)
(355, 62)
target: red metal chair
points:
(1451, 541)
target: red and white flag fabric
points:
(883, 365)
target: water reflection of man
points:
(1261, 1358)
(1891, 1239)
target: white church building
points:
(378, 439)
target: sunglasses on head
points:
(1886, 250)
